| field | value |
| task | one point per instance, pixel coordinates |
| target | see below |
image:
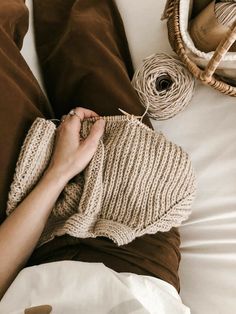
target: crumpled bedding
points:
(71, 287)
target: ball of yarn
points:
(164, 85)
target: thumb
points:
(92, 140)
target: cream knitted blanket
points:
(137, 182)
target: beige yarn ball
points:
(164, 85)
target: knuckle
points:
(79, 109)
(65, 126)
(80, 112)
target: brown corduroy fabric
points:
(86, 62)
(21, 99)
(85, 57)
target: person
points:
(86, 66)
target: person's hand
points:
(72, 154)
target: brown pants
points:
(86, 62)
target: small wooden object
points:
(206, 75)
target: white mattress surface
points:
(207, 131)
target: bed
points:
(207, 131)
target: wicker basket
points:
(207, 67)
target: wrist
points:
(56, 177)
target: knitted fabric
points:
(137, 182)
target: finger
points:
(63, 118)
(62, 121)
(70, 127)
(91, 142)
(81, 114)
(74, 121)
(85, 113)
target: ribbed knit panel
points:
(137, 182)
(34, 156)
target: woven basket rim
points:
(206, 75)
(183, 15)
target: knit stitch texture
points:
(137, 182)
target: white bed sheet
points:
(207, 131)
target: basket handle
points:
(219, 53)
(180, 49)
(168, 10)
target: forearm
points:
(20, 232)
